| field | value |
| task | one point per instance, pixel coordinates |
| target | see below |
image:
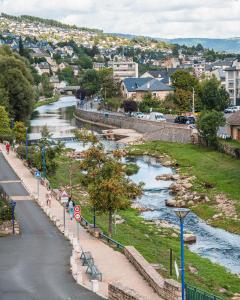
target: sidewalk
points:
(114, 265)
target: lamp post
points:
(26, 143)
(44, 161)
(181, 214)
(13, 205)
(193, 101)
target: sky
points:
(156, 18)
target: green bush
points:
(5, 211)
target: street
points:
(35, 265)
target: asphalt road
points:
(35, 265)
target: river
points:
(216, 244)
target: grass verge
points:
(154, 243)
(209, 166)
(47, 101)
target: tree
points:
(67, 74)
(46, 86)
(182, 79)
(5, 130)
(20, 47)
(108, 187)
(84, 62)
(91, 82)
(130, 106)
(19, 132)
(208, 124)
(17, 82)
(213, 95)
(109, 86)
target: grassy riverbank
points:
(55, 98)
(218, 170)
(152, 242)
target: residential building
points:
(123, 69)
(137, 88)
(234, 122)
(98, 66)
(164, 75)
(233, 82)
(42, 68)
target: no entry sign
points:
(77, 212)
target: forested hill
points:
(229, 45)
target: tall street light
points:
(181, 214)
(26, 143)
(44, 161)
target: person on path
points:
(71, 208)
(48, 197)
(7, 147)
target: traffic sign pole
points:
(78, 230)
(64, 217)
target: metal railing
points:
(110, 240)
(193, 293)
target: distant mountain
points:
(229, 45)
(222, 45)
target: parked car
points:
(138, 115)
(185, 120)
(154, 116)
(231, 109)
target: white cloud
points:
(160, 18)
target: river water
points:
(216, 244)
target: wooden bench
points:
(94, 272)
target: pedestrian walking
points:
(71, 208)
(48, 197)
(7, 147)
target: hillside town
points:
(119, 165)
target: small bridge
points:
(35, 138)
(71, 89)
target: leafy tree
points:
(46, 86)
(182, 79)
(109, 87)
(67, 74)
(91, 82)
(213, 95)
(108, 187)
(85, 62)
(5, 130)
(16, 80)
(20, 47)
(208, 124)
(130, 106)
(19, 131)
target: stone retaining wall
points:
(168, 289)
(116, 291)
(161, 131)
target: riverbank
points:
(154, 243)
(55, 98)
(217, 177)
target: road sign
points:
(37, 174)
(64, 197)
(77, 209)
(77, 216)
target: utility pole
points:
(193, 100)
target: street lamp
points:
(44, 161)
(193, 100)
(26, 143)
(13, 205)
(181, 213)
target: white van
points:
(155, 116)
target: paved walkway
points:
(114, 265)
(35, 264)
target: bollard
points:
(80, 278)
(95, 286)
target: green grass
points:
(153, 243)
(154, 246)
(234, 143)
(209, 166)
(47, 101)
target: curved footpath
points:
(114, 265)
(34, 265)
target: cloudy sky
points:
(157, 18)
